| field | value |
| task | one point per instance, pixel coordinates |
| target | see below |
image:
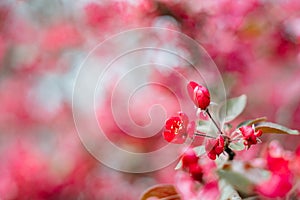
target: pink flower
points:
(199, 94)
(276, 186)
(188, 158)
(210, 191)
(190, 163)
(281, 180)
(214, 147)
(249, 135)
(295, 163)
(278, 160)
(185, 185)
(176, 129)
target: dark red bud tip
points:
(196, 172)
(199, 95)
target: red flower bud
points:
(176, 129)
(199, 94)
(249, 135)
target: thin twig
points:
(203, 135)
(215, 123)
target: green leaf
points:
(252, 121)
(227, 191)
(232, 108)
(237, 180)
(269, 127)
(237, 146)
(227, 127)
(161, 192)
(199, 150)
(221, 160)
(207, 127)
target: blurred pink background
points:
(255, 45)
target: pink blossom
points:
(214, 147)
(275, 186)
(281, 179)
(210, 191)
(250, 135)
(189, 157)
(176, 128)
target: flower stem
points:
(212, 119)
(203, 135)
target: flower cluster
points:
(227, 141)
(176, 127)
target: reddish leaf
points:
(163, 192)
(269, 127)
(252, 121)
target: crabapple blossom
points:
(278, 162)
(176, 128)
(215, 147)
(189, 157)
(199, 95)
(190, 163)
(250, 135)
